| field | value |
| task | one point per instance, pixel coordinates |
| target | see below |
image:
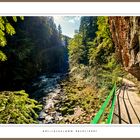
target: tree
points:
(88, 28)
(15, 106)
(76, 53)
(35, 48)
(6, 29)
(102, 46)
(60, 31)
(102, 55)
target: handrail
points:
(103, 107)
(110, 116)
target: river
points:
(48, 91)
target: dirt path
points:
(127, 107)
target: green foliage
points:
(76, 50)
(94, 45)
(16, 107)
(22, 17)
(88, 28)
(79, 94)
(102, 46)
(31, 47)
(35, 48)
(9, 29)
(79, 45)
(102, 56)
(2, 56)
(15, 18)
(5, 29)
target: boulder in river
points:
(49, 119)
(42, 115)
(50, 104)
(57, 90)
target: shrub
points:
(16, 107)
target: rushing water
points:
(48, 91)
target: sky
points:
(68, 24)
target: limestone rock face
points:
(126, 37)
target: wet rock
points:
(44, 99)
(57, 90)
(53, 114)
(57, 108)
(40, 122)
(50, 104)
(55, 102)
(59, 118)
(42, 77)
(44, 121)
(35, 84)
(49, 119)
(57, 97)
(42, 115)
(49, 87)
(58, 114)
(53, 94)
(56, 119)
(44, 80)
(46, 111)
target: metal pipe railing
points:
(112, 95)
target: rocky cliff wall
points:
(126, 37)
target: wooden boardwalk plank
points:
(127, 107)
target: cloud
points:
(77, 18)
(71, 21)
(68, 23)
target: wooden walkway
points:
(127, 107)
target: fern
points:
(16, 107)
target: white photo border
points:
(69, 9)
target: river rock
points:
(52, 94)
(57, 108)
(49, 119)
(44, 99)
(49, 87)
(40, 122)
(42, 115)
(58, 114)
(60, 118)
(35, 84)
(46, 111)
(42, 77)
(57, 97)
(49, 104)
(44, 80)
(53, 114)
(57, 90)
(55, 102)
